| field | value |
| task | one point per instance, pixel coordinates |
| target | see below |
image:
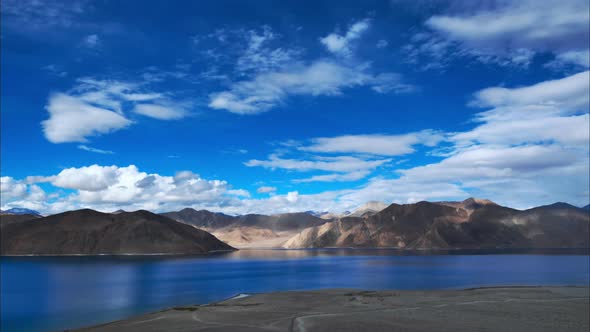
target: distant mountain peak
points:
(481, 201)
(316, 213)
(559, 205)
(370, 207)
(18, 210)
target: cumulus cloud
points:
(109, 188)
(341, 44)
(88, 178)
(10, 188)
(18, 193)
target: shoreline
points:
(124, 254)
(540, 251)
(539, 308)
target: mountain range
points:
(89, 232)
(18, 210)
(472, 223)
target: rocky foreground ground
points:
(482, 309)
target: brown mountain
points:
(7, 218)
(201, 218)
(251, 230)
(469, 224)
(91, 232)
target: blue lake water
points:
(55, 293)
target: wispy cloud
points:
(92, 41)
(385, 145)
(340, 44)
(510, 33)
(341, 168)
(95, 150)
(266, 189)
(268, 74)
(94, 107)
(322, 77)
(34, 14)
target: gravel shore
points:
(480, 309)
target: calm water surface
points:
(55, 293)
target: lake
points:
(54, 293)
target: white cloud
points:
(90, 178)
(33, 14)
(94, 107)
(341, 168)
(501, 162)
(382, 43)
(259, 56)
(11, 189)
(92, 41)
(267, 73)
(531, 147)
(72, 120)
(533, 130)
(95, 150)
(336, 177)
(570, 92)
(55, 70)
(160, 112)
(533, 114)
(108, 188)
(332, 164)
(385, 145)
(341, 44)
(239, 193)
(322, 77)
(510, 32)
(580, 58)
(16, 193)
(546, 25)
(358, 155)
(266, 189)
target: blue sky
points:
(266, 106)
